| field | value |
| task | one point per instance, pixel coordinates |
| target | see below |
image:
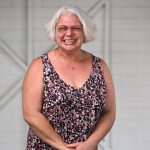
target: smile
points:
(69, 41)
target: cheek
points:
(58, 37)
(82, 38)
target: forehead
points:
(68, 19)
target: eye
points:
(61, 29)
(77, 29)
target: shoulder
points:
(104, 68)
(106, 74)
(36, 64)
(87, 56)
(35, 69)
(103, 63)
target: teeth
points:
(69, 41)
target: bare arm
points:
(32, 90)
(107, 119)
(108, 116)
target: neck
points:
(75, 56)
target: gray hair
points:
(89, 28)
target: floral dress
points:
(72, 112)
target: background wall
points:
(130, 51)
(22, 38)
(13, 40)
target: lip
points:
(69, 41)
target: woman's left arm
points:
(108, 117)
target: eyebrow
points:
(69, 26)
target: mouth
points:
(69, 41)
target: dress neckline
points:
(67, 84)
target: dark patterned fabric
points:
(72, 112)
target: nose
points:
(69, 32)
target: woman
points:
(68, 93)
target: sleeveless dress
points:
(72, 112)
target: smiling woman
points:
(88, 27)
(68, 94)
(69, 34)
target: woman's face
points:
(69, 32)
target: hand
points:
(81, 146)
(65, 146)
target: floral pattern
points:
(72, 112)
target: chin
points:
(70, 48)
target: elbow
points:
(29, 118)
(110, 115)
(113, 117)
(32, 118)
(114, 114)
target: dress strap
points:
(44, 58)
(96, 64)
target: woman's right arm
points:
(32, 91)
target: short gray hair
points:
(89, 28)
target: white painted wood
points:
(30, 48)
(11, 92)
(107, 32)
(10, 52)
